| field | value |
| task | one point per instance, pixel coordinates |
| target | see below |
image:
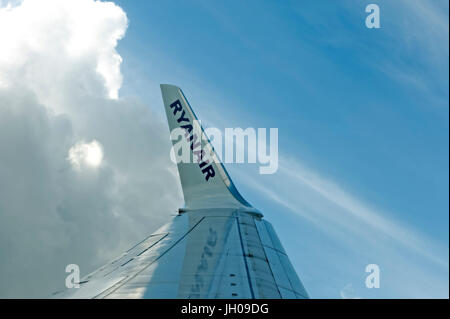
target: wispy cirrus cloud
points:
(363, 232)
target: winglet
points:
(204, 180)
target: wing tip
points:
(170, 92)
(165, 86)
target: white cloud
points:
(59, 70)
(39, 36)
(82, 153)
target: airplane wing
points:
(218, 246)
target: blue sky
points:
(362, 117)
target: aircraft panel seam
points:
(159, 257)
(245, 259)
(267, 259)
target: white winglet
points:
(204, 180)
